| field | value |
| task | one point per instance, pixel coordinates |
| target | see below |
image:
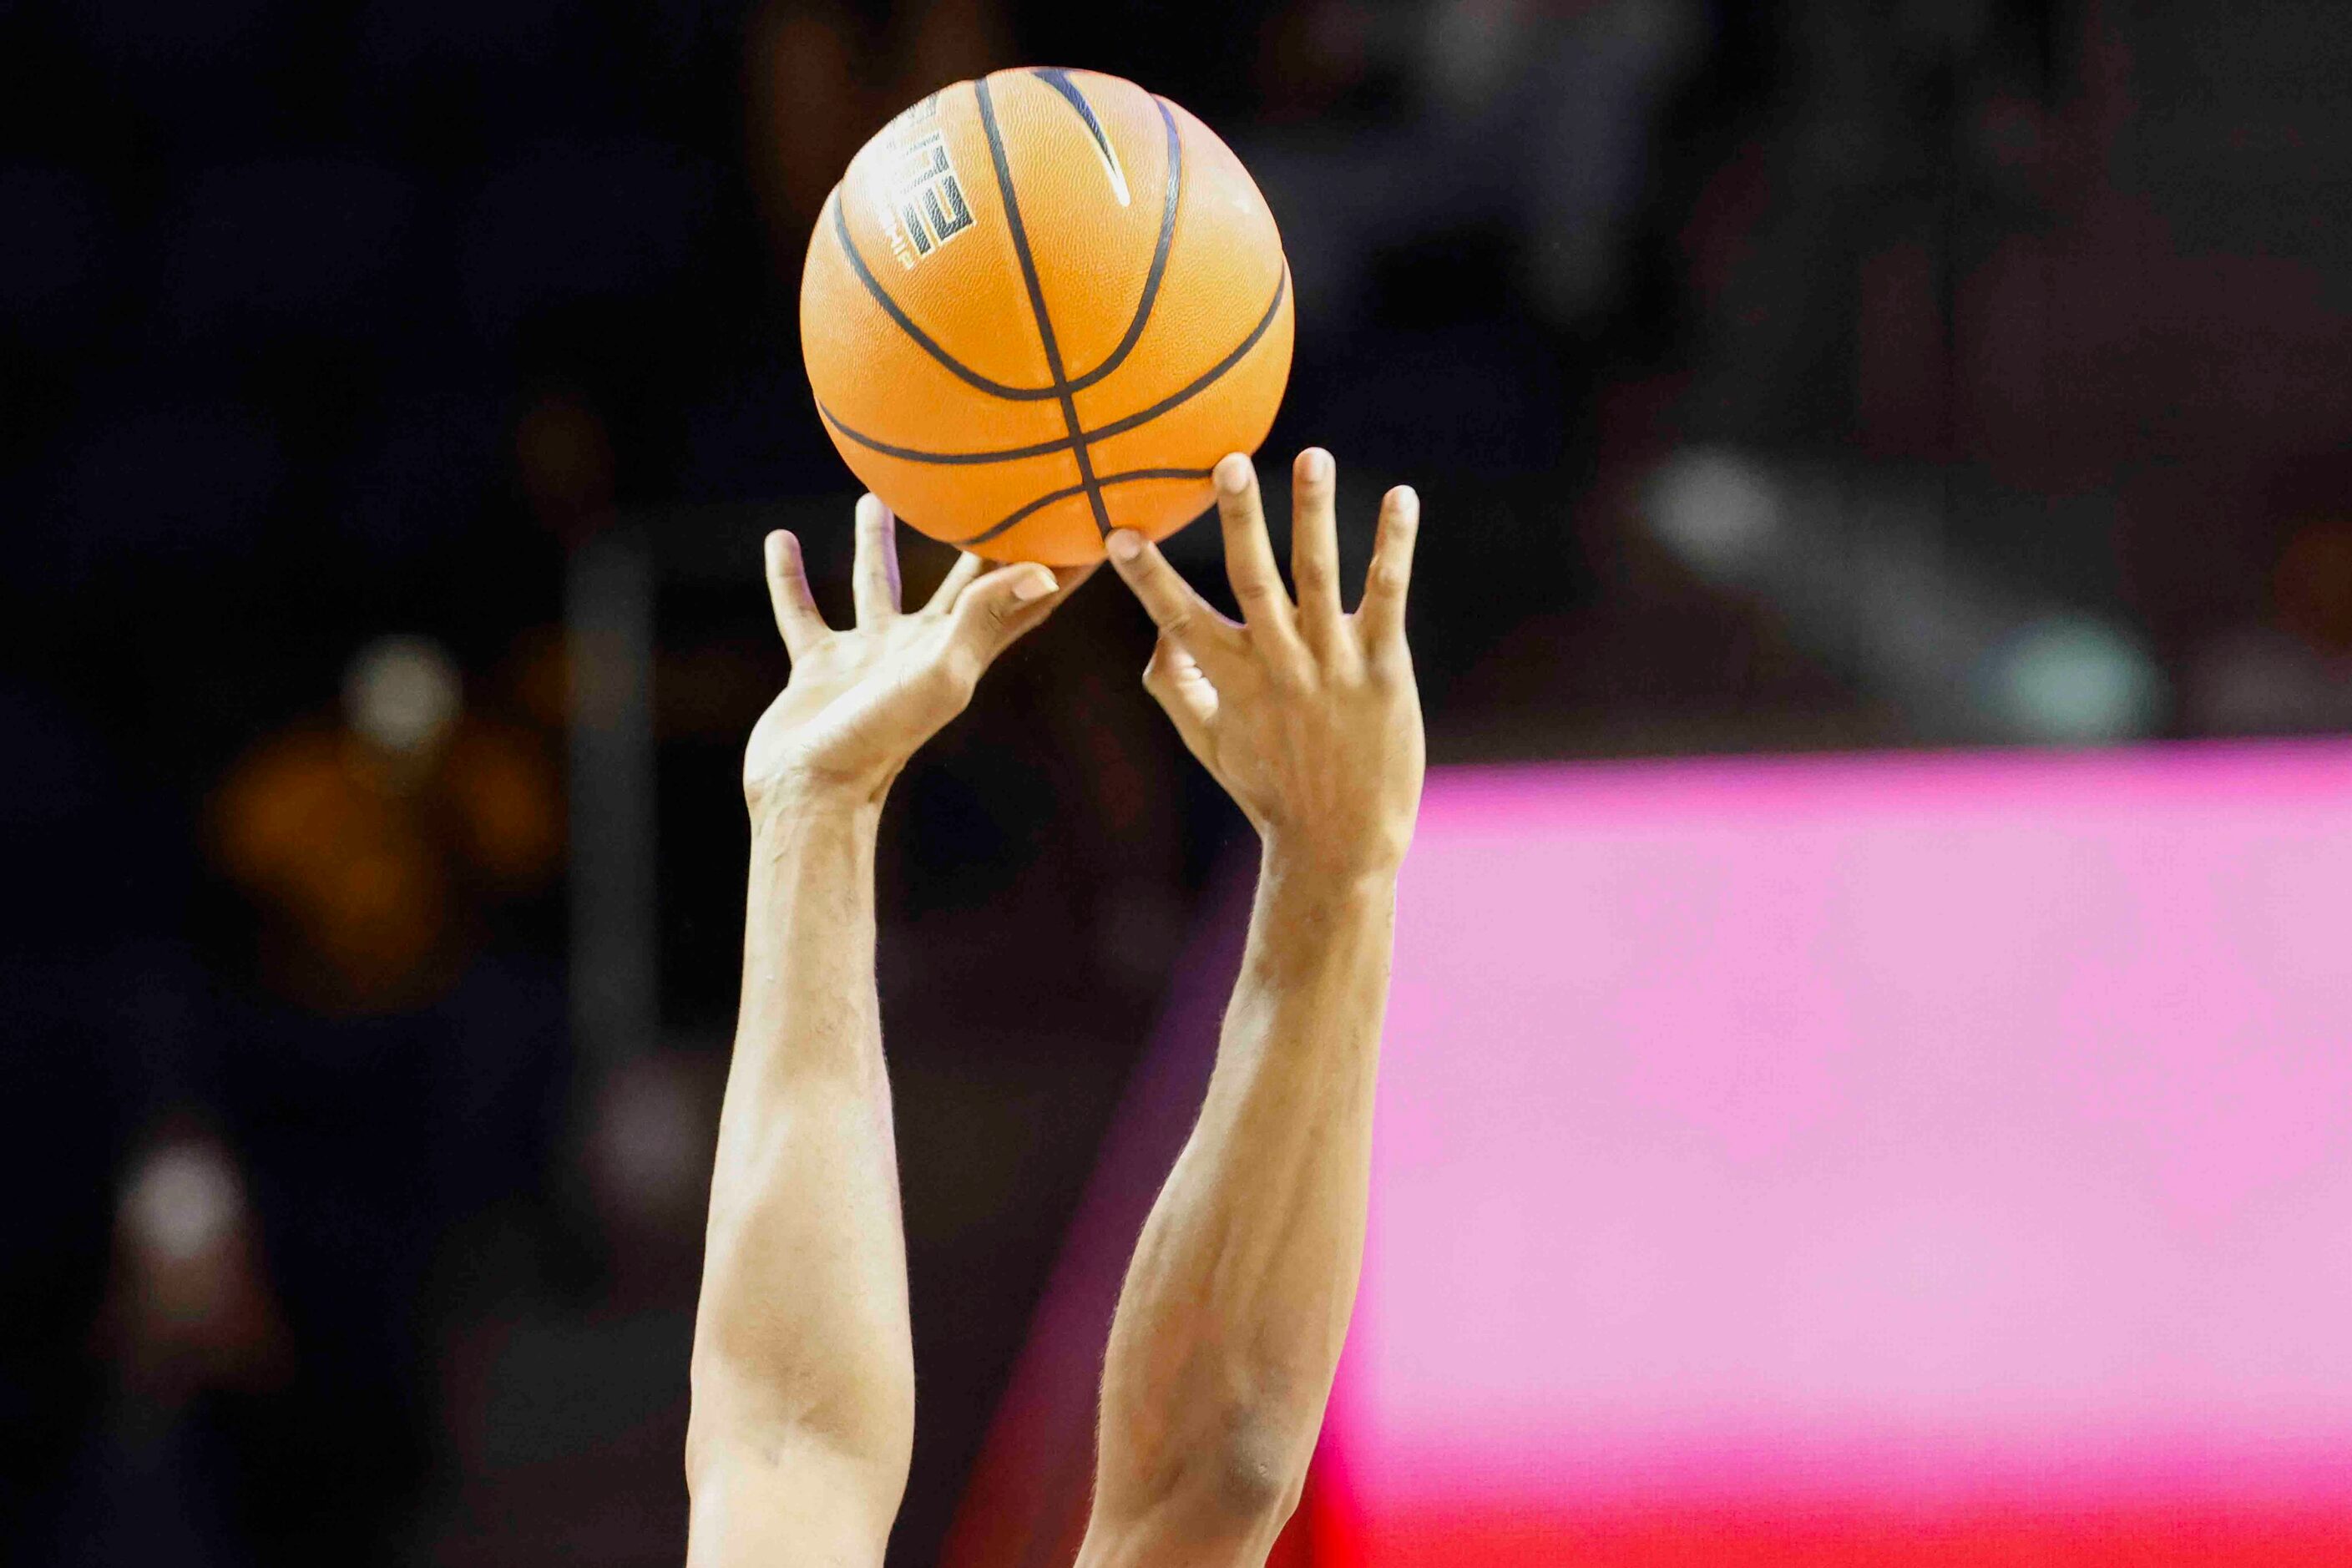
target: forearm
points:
(1230, 1327)
(802, 1337)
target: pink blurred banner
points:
(1936, 1158)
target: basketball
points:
(1040, 306)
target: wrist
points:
(790, 800)
(1294, 862)
(1316, 918)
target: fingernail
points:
(1125, 544)
(1315, 465)
(871, 510)
(1234, 474)
(1408, 498)
(1035, 585)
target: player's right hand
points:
(1309, 716)
(861, 699)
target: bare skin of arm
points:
(1229, 1329)
(804, 1370)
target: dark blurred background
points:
(397, 392)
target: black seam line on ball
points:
(985, 534)
(1037, 304)
(1152, 280)
(971, 377)
(1101, 433)
(906, 324)
(1059, 80)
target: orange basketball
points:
(1041, 305)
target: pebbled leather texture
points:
(935, 313)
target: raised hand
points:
(1307, 714)
(861, 700)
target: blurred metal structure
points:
(608, 609)
(611, 605)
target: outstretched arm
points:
(804, 1374)
(1229, 1329)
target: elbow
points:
(1234, 1478)
(859, 1420)
(1259, 1468)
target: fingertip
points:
(1233, 474)
(1315, 466)
(1034, 583)
(1124, 546)
(1400, 514)
(871, 512)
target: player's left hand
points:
(1306, 714)
(860, 700)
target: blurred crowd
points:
(1798, 373)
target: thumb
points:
(995, 610)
